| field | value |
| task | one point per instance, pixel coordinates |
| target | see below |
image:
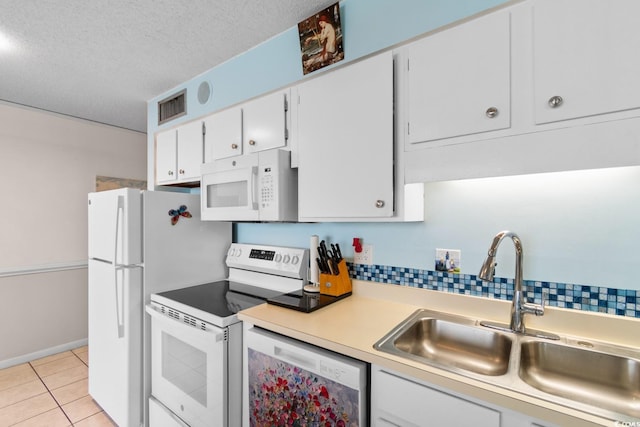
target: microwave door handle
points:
(254, 188)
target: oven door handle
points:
(218, 333)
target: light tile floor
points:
(51, 392)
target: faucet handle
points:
(532, 308)
(544, 299)
(539, 308)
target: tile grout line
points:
(48, 391)
(65, 414)
(30, 397)
(51, 394)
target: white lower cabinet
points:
(398, 400)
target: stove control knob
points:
(286, 259)
(278, 257)
(295, 259)
(238, 252)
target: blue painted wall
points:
(577, 227)
(368, 25)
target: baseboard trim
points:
(42, 353)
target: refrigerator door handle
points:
(119, 208)
(119, 303)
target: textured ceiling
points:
(103, 60)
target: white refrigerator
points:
(140, 242)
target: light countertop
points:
(352, 326)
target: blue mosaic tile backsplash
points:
(620, 302)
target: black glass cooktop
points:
(305, 301)
(223, 298)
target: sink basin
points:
(450, 344)
(585, 375)
(595, 377)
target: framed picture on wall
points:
(321, 39)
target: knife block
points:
(336, 285)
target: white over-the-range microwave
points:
(260, 186)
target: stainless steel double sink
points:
(593, 377)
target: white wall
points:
(49, 164)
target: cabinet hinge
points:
(286, 104)
(204, 129)
(408, 64)
(408, 128)
(286, 134)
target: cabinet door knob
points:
(379, 203)
(181, 171)
(555, 101)
(252, 142)
(234, 146)
(170, 173)
(491, 112)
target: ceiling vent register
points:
(172, 107)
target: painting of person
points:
(321, 39)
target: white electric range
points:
(196, 337)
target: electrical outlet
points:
(365, 257)
(448, 260)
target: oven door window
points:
(185, 366)
(189, 370)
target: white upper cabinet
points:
(264, 123)
(257, 125)
(166, 157)
(179, 154)
(223, 134)
(345, 142)
(562, 75)
(190, 151)
(458, 81)
(586, 57)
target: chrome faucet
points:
(519, 306)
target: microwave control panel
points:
(267, 187)
(277, 184)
